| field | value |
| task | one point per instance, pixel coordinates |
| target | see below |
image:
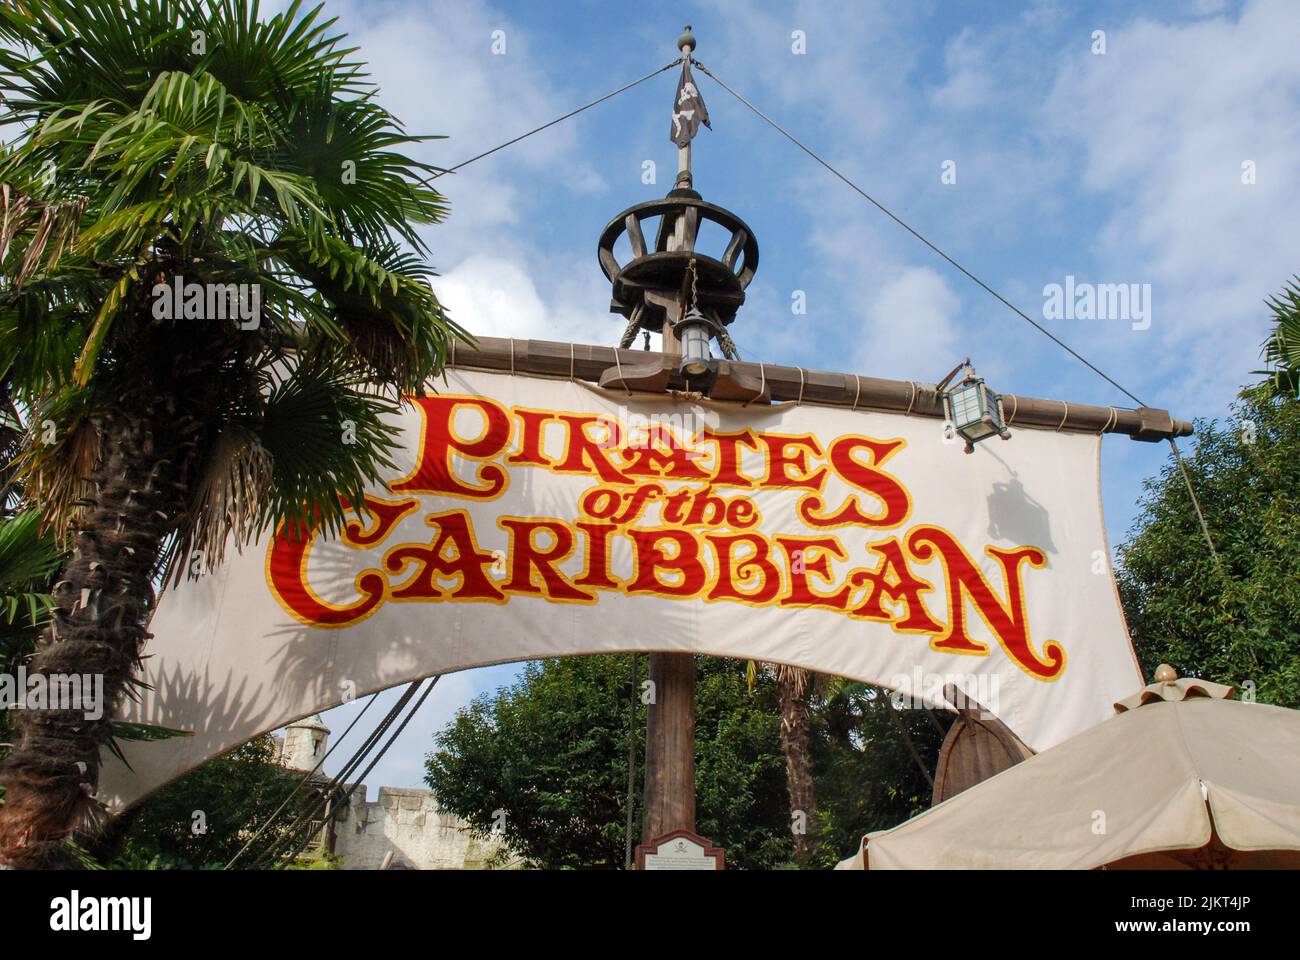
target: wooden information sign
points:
(679, 850)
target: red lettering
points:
(733, 574)
(706, 509)
(439, 445)
(812, 555)
(526, 557)
(662, 456)
(598, 563)
(386, 514)
(785, 453)
(727, 472)
(1007, 622)
(892, 494)
(905, 588)
(287, 572)
(585, 455)
(465, 562)
(531, 423)
(651, 558)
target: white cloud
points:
(969, 82)
(1047, 137)
(851, 76)
(908, 325)
(497, 296)
(437, 72)
(1165, 141)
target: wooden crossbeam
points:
(589, 361)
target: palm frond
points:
(64, 452)
(52, 228)
(192, 139)
(28, 557)
(1281, 351)
(230, 496)
(382, 298)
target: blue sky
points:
(1119, 167)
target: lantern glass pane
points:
(977, 431)
(695, 348)
(966, 406)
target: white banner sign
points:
(544, 518)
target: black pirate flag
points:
(688, 109)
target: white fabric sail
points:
(535, 517)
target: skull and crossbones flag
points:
(688, 109)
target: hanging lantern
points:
(694, 330)
(974, 411)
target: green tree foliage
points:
(867, 776)
(28, 559)
(1282, 348)
(1237, 622)
(551, 752)
(741, 798)
(165, 145)
(203, 819)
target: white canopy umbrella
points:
(1182, 777)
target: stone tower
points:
(305, 743)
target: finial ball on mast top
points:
(686, 42)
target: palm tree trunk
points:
(792, 684)
(99, 625)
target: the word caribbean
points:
(685, 507)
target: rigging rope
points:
(307, 776)
(988, 289)
(274, 851)
(1178, 457)
(365, 773)
(571, 113)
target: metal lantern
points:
(974, 411)
(694, 331)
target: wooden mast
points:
(670, 717)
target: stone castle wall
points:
(403, 821)
(408, 823)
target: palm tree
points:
(199, 147)
(1282, 348)
(794, 687)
